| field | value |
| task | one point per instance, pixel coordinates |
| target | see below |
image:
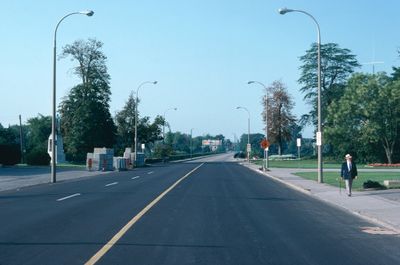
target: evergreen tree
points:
(337, 64)
(125, 122)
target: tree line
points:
(86, 121)
(360, 111)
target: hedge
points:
(38, 157)
(10, 154)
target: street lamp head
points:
(284, 10)
(88, 13)
(238, 107)
(155, 82)
(250, 82)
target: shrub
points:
(153, 160)
(37, 157)
(10, 154)
(373, 185)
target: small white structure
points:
(390, 184)
(59, 144)
(60, 155)
(212, 144)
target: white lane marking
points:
(93, 260)
(151, 172)
(136, 177)
(111, 184)
(377, 230)
(68, 197)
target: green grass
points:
(71, 165)
(308, 163)
(64, 165)
(332, 178)
(311, 163)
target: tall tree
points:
(39, 129)
(396, 70)
(181, 142)
(150, 132)
(367, 118)
(8, 136)
(336, 66)
(86, 121)
(278, 113)
(125, 122)
(10, 151)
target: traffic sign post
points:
(248, 152)
(265, 145)
(298, 147)
(298, 151)
(248, 148)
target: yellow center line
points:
(125, 229)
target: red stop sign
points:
(265, 143)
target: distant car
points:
(239, 155)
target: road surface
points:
(202, 212)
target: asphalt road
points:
(221, 213)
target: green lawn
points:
(309, 163)
(332, 178)
(60, 165)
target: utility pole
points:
(21, 142)
(373, 65)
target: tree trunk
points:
(388, 150)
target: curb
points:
(362, 215)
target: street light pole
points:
(266, 120)
(283, 11)
(248, 132)
(136, 114)
(163, 129)
(53, 118)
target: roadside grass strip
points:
(333, 178)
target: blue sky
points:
(202, 53)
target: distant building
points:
(212, 144)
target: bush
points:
(373, 185)
(10, 154)
(153, 160)
(38, 157)
(239, 155)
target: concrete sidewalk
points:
(369, 205)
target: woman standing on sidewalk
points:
(348, 173)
